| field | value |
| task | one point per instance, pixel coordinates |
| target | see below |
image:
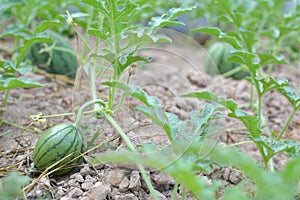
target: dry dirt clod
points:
(135, 183)
(129, 196)
(115, 177)
(85, 170)
(86, 185)
(99, 191)
(77, 177)
(75, 193)
(159, 195)
(123, 187)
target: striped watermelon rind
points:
(55, 144)
(62, 60)
(216, 62)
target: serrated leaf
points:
(290, 94)
(44, 25)
(169, 19)
(98, 5)
(251, 122)
(202, 117)
(134, 91)
(17, 31)
(97, 33)
(209, 30)
(232, 40)
(10, 83)
(269, 83)
(228, 103)
(267, 58)
(125, 60)
(168, 121)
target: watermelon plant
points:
(115, 25)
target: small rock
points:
(66, 198)
(77, 177)
(126, 197)
(99, 191)
(75, 193)
(162, 179)
(60, 191)
(123, 187)
(86, 185)
(20, 157)
(115, 177)
(45, 181)
(85, 198)
(159, 195)
(135, 183)
(85, 170)
(73, 183)
(90, 179)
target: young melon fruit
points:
(58, 60)
(216, 62)
(55, 144)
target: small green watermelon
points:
(59, 60)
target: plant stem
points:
(287, 123)
(175, 191)
(77, 122)
(17, 126)
(116, 47)
(4, 102)
(131, 148)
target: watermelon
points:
(216, 61)
(55, 144)
(60, 60)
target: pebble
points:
(123, 186)
(73, 183)
(115, 177)
(135, 183)
(90, 179)
(129, 196)
(85, 170)
(75, 193)
(77, 177)
(86, 185)
(159, 195)
(99, 191)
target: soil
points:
(175, 69)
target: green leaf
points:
(128, 58)
(44, 25)
(269, 83)
(12, 186)
(228, 103)
(97, 33)
(169, 19)
(251, 122)
(268, 58)
(134, 91)
(10, 83)
(290, 94)
(232, 40)
(168, 121)
(17, 31)
(98, 5)
(209, 30)
(27, 44)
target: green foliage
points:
(11, 186)
(216, 62)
